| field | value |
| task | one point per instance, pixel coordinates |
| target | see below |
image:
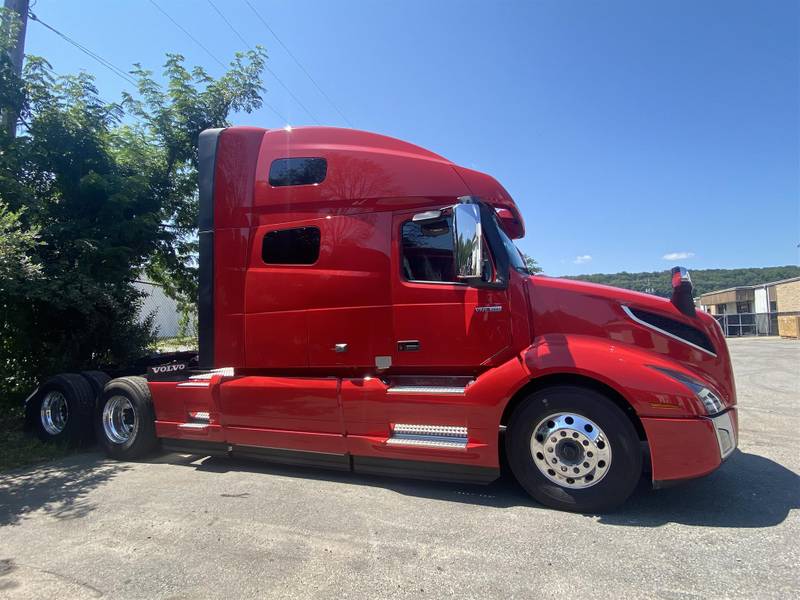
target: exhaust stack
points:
(682, 291)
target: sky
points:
(633, 135)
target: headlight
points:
(711, 402)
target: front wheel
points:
(574, 449)
(125, 420)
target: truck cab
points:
(363, 307)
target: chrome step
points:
(435, 430)
(426, 389)
(193, 426)
(429, 436)
(426, 443)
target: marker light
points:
(711, 402)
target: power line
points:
(114, 69)
(297, 62)
(107, 64)
(212, 55)
(229, 24)
(278, 79)
(122, 74)
(191, 37)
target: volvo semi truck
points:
(363, 307)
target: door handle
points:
(408, 345)
(340, 348)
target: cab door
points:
(441, 323)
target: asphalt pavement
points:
(187, 527)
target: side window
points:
(428, 250)
(297, 171)
(428, 253)
(298, 246)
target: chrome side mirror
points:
(468, 241)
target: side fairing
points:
(227, 162)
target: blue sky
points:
(626, 131)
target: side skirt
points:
(338, 462)
(195, 447)
(417, 469)
(366, 465)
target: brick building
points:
(788, 295)
(753, 309)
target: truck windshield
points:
(514, 255)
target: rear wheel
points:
(96, 379)
(573, 449)
(61, 410)
(125, 420)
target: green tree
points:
(16, 246)
(96, 222)
(531, 264)
(90, 197)
(171, 118)
(703, 280)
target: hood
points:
(693, 344)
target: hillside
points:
(704, 280)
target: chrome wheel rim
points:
(119, 420)
(571, 450)
(54, 413)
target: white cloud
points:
(582, 259)
(678, 255)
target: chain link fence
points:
(175, 328)
(751, 324)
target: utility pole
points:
(16, 55)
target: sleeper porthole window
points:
(298, 246)
(297, 171)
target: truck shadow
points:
(61, 489)
(748, 491)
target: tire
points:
(125, 420)
(597, 453)
(96, 379)
(61, 410)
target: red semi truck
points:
(363, 307)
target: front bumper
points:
(727, 434)
(688, 448)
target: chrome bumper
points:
(726, 433)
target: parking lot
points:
(183, 527)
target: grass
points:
(20, 449)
